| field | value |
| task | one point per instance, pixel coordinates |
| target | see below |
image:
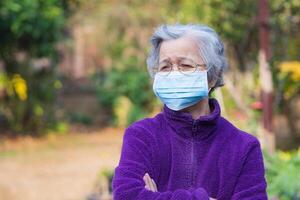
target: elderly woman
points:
(188, 150)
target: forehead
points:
(181, 47)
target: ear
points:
(212, 83)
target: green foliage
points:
(108, 174)
(285, 33)
(289, 75)
(130, 81)
(136, 113)
(282, 173)
(27, 100)
(78, 117)
(231, 12)
(124, 88)
(29, 31)
(30, 25)
(58, 128)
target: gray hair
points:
(211, 48)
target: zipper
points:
(194, 129)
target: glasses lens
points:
(163, 69)
(187, 68)
(160, 72)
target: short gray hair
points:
(211, 48)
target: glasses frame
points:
(161, 73)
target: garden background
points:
(73, 76)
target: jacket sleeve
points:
(136, 159)
(251, 183)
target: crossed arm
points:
(135, 162)
(131, 180)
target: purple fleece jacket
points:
(189, 159)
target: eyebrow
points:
(180, 57)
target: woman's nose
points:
(175, 67)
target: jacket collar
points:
(184, 125)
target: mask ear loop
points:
(215, 76)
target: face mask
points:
(178, 90)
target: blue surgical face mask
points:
(178, 90)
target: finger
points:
(150, 184)
(154, 185)
(144, 178)
(146, 186)
(147, 181)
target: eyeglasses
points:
(185, 66)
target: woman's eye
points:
(187, 65)
(164, 68)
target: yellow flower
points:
(20, 86)
(121, 109)
(292, 67)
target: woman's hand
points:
(150, 184)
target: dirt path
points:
(58, 167)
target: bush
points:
(27, 100)
(283, 174)
(126, 92)
(29, 32)
(79, 117)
